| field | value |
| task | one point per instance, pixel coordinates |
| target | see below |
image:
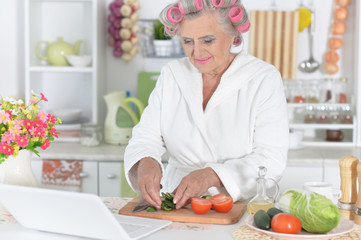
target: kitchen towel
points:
(274, 39)
(62, 174)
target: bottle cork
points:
(348, 174)
(358, 201)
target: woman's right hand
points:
(149, 177)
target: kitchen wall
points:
(123, 76)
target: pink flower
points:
(53, 132)
(45, 144)
(10, 113)
(16, 130)
(42, 116)
(43, 97)
(6, 149)
(51, 118)
(7, 137)
(32, 131)
(34, 101)
(28, 124)
(22, 141)
(39, 132)
(4, 117)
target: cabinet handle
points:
(83, 175)
(111, 176)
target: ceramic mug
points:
(325, 189)
(295, 139)
(334, 135)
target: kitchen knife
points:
(141, 205)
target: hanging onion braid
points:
(174, 13)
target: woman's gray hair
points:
(189, 9)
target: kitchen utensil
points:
(334, 135)
(348, 173)
(358, 201)
(261, 200)
(186, 214)
(141, 205)
(274, 37)
(78, 61)
(67, 115)
(120, 118)
(310, 65)
(56, 51)
(343, 227)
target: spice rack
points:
(315, 132)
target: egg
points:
(331, 56)
(331, 68)
(341, 14)
(338, 28)
(343, 3)
(335, 43)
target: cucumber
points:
(262, 220)
(273, 211)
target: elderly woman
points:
(220, 115)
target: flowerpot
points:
(17, 171)
(163, 48)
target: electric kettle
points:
(120, 118)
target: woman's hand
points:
(194, 185)
(149, 177)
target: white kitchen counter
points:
(76, 151)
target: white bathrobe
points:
(244, 126)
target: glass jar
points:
(313, 92)
(286, 88)
(334, 115)
(342, 91)
(328, 93)
(322, 116)
(346, 115)
(310, 115)
(298, 94)
(91, 135)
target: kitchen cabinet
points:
(66, 87)
(97, 177)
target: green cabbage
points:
(316, 212)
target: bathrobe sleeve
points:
(146, 138)
(270, 141)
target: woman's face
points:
(206, 44)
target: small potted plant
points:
(163, 44)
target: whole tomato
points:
(286, 223)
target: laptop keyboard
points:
(129, 227)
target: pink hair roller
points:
(233, 3)
(174, 15)
(244, 28)
(217, 3)
(170, 31)
(180, 7)
(235, 14)
(199, 4)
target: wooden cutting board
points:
(187, 215)
(274, 39)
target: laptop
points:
(72, 213)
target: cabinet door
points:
(109, 179)
(295, 175)
(89, 176)
(332, 173)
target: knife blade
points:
(141, 205)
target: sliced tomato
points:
(222, 203)
(200, 205)
(286, 223)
